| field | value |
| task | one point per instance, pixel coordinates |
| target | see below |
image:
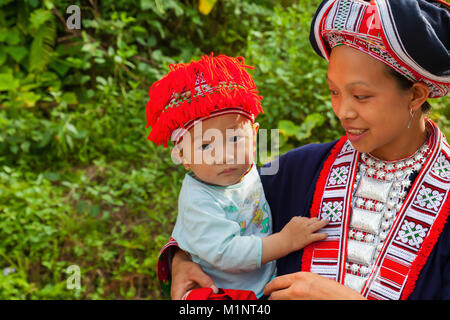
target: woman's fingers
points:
(318, 236)
(280, 295)
(279, 283)
(195, 279)
(204, 281)
(319, 224)
(187, 275)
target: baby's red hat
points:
(200, 89)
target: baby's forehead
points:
(222, 123)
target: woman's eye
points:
(361, 97)
(333, 93)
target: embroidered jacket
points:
(402, 270)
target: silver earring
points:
(411, 116)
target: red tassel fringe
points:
(317, 200)
(182, 77)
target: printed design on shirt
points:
(265, 225)
(251, 213)
(231, 209)
(257, 215)
(243, 225)
(260, 217)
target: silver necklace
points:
(379, 191)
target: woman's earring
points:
(411, 116)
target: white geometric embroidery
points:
(332, 210)
(338, 175)
(442, 167)
(412, 234)
(347, 147)
(428, 198)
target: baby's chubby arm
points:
(296, 234)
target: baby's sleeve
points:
(203, 230)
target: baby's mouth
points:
(228, 171)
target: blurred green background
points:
(79, 182)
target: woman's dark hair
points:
(406, 84)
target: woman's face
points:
(371, 107)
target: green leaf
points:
(71, 129)
(30, 98)
(42, 45)
(69, 141)
(3, 34)
(17, 53)
(39, 17)
(310, 122)
(60, 68)
(13, 36)
(69, 98)
(82, 206)
(7, 82)
(147, 4)
(52, 176)
(94, 210)
(2, 56)
(288, 128)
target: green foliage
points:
(79, 182)
(42, 25)
(292, 78)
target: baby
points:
(208, 109)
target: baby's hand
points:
(300, 231)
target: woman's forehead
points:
(355, 67)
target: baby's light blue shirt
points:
(222, 227)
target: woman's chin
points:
(362, 147)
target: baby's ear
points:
(177, 157)
(255, 128)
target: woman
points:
(385, 185)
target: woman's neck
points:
(405, 146)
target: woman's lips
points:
(354, 135)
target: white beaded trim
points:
(378, 193)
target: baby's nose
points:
(229, 154)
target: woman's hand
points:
(308, 286)
(187, 275)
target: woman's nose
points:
(344, 110)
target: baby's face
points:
(220, 150)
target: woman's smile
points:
(354, 134)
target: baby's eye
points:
(235, 138)
(205, 146)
